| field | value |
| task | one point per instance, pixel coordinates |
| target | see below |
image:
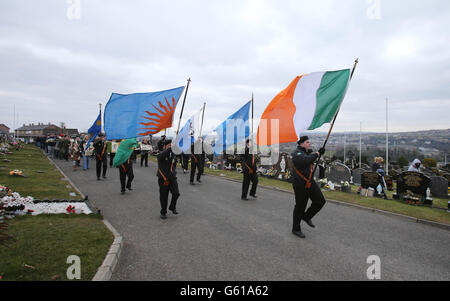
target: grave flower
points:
(70, 209)
(16, 172)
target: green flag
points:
(124, 151)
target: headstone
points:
(370, 179)
(320, 172)
(356, 173)
(439, 187)
(447, 176)
(338, 172)
(415, 182)
(284, 163)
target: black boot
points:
(309, 223)
(298, 233)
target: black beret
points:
(302, 139)
(169, 141)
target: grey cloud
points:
(54, 69)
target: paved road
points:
(217, 236)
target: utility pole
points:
(360, 134)
(387, 140)
(345, 138)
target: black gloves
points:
(322, 151)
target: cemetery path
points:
(217, 236)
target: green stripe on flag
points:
(329, 96)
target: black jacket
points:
(248, 160)
(302, 160)
(167, 164)
(98, 147)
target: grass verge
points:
(41, 244)
(42, 181)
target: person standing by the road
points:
(304, 185)
(249, 171)
(167, 179)
(101, 155)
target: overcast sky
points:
(57, 63)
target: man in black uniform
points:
(249, 171)
(167, 178)
(126, 169)
(101, 155)
(304, 185)
(197, 161)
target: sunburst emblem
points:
(160, 120)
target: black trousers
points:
(164, 194)
(246, 183)
(301, 200)
(144, 157)
(99, 165)
(196, 165)
(123, 176)
(185, 159)
(111, 159)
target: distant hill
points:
(431, 142)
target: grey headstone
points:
(370, 179)
(357, 175)
(447, 176)
(439, 187)
(337, 172)
(415, 182)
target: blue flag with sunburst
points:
(140, 114)
(95, 129)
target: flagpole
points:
(334, 119)
(101, 121)
(387, 140)
(182, 108)
(203, 115)
(252, 127)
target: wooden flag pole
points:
(101, 119)
(334, 119)
(203, 115)
(252, 117)
(182, 108)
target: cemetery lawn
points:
(41, 244)
(42, 181)
(391, 205)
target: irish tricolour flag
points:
(306, 104)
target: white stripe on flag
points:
(305, 100)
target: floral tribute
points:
(16, 172)
(15, 204)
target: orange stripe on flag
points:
(282, 108)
